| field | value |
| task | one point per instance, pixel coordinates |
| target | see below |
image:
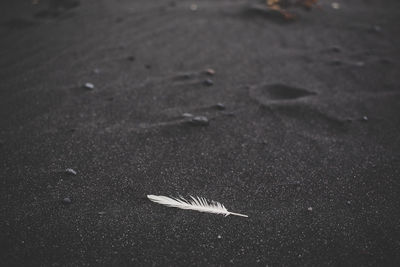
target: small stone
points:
(364, 118)
(67, 201)
(89, 86)
(219, 236)
(210, 72)
(335, 5)
(70, 171)
(360, 64)
(220, 106)
(187, 115)
(309, 209)
(348, 202)
(101, 212)
(193, 7)
(375, 29)
(96, 71)
(208, 82)
(199, 121)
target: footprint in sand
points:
(303, 117)
(276, 93)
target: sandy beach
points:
(293, 123)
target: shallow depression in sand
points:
(277, 92)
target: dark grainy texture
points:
(291, 150)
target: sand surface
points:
(305, 139)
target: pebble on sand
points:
(310, 209)
(67, 201)
(360, 64)
(187, 115)
(193, 7)
(199, 121)
(375, 29)
(335, 5)
(208, 82)
(220, 106)
(210, 72)
(89, 86)
(70, 171)
(364, 118)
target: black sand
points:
(307, 145)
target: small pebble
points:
(220, 106)
(360, 64)
(208, 82)
(101, 212)
(199, 121)
(193, 7)
(89, 86)
(67, 201)
(348, 202)
(375, 29)
(210, 72)
(70, 171)
(96, 71)
(335, 5)
(309, 209)
(187, 115)
(365, 118)
(219, 236)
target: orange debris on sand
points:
(281, 5)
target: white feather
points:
(195, 203)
